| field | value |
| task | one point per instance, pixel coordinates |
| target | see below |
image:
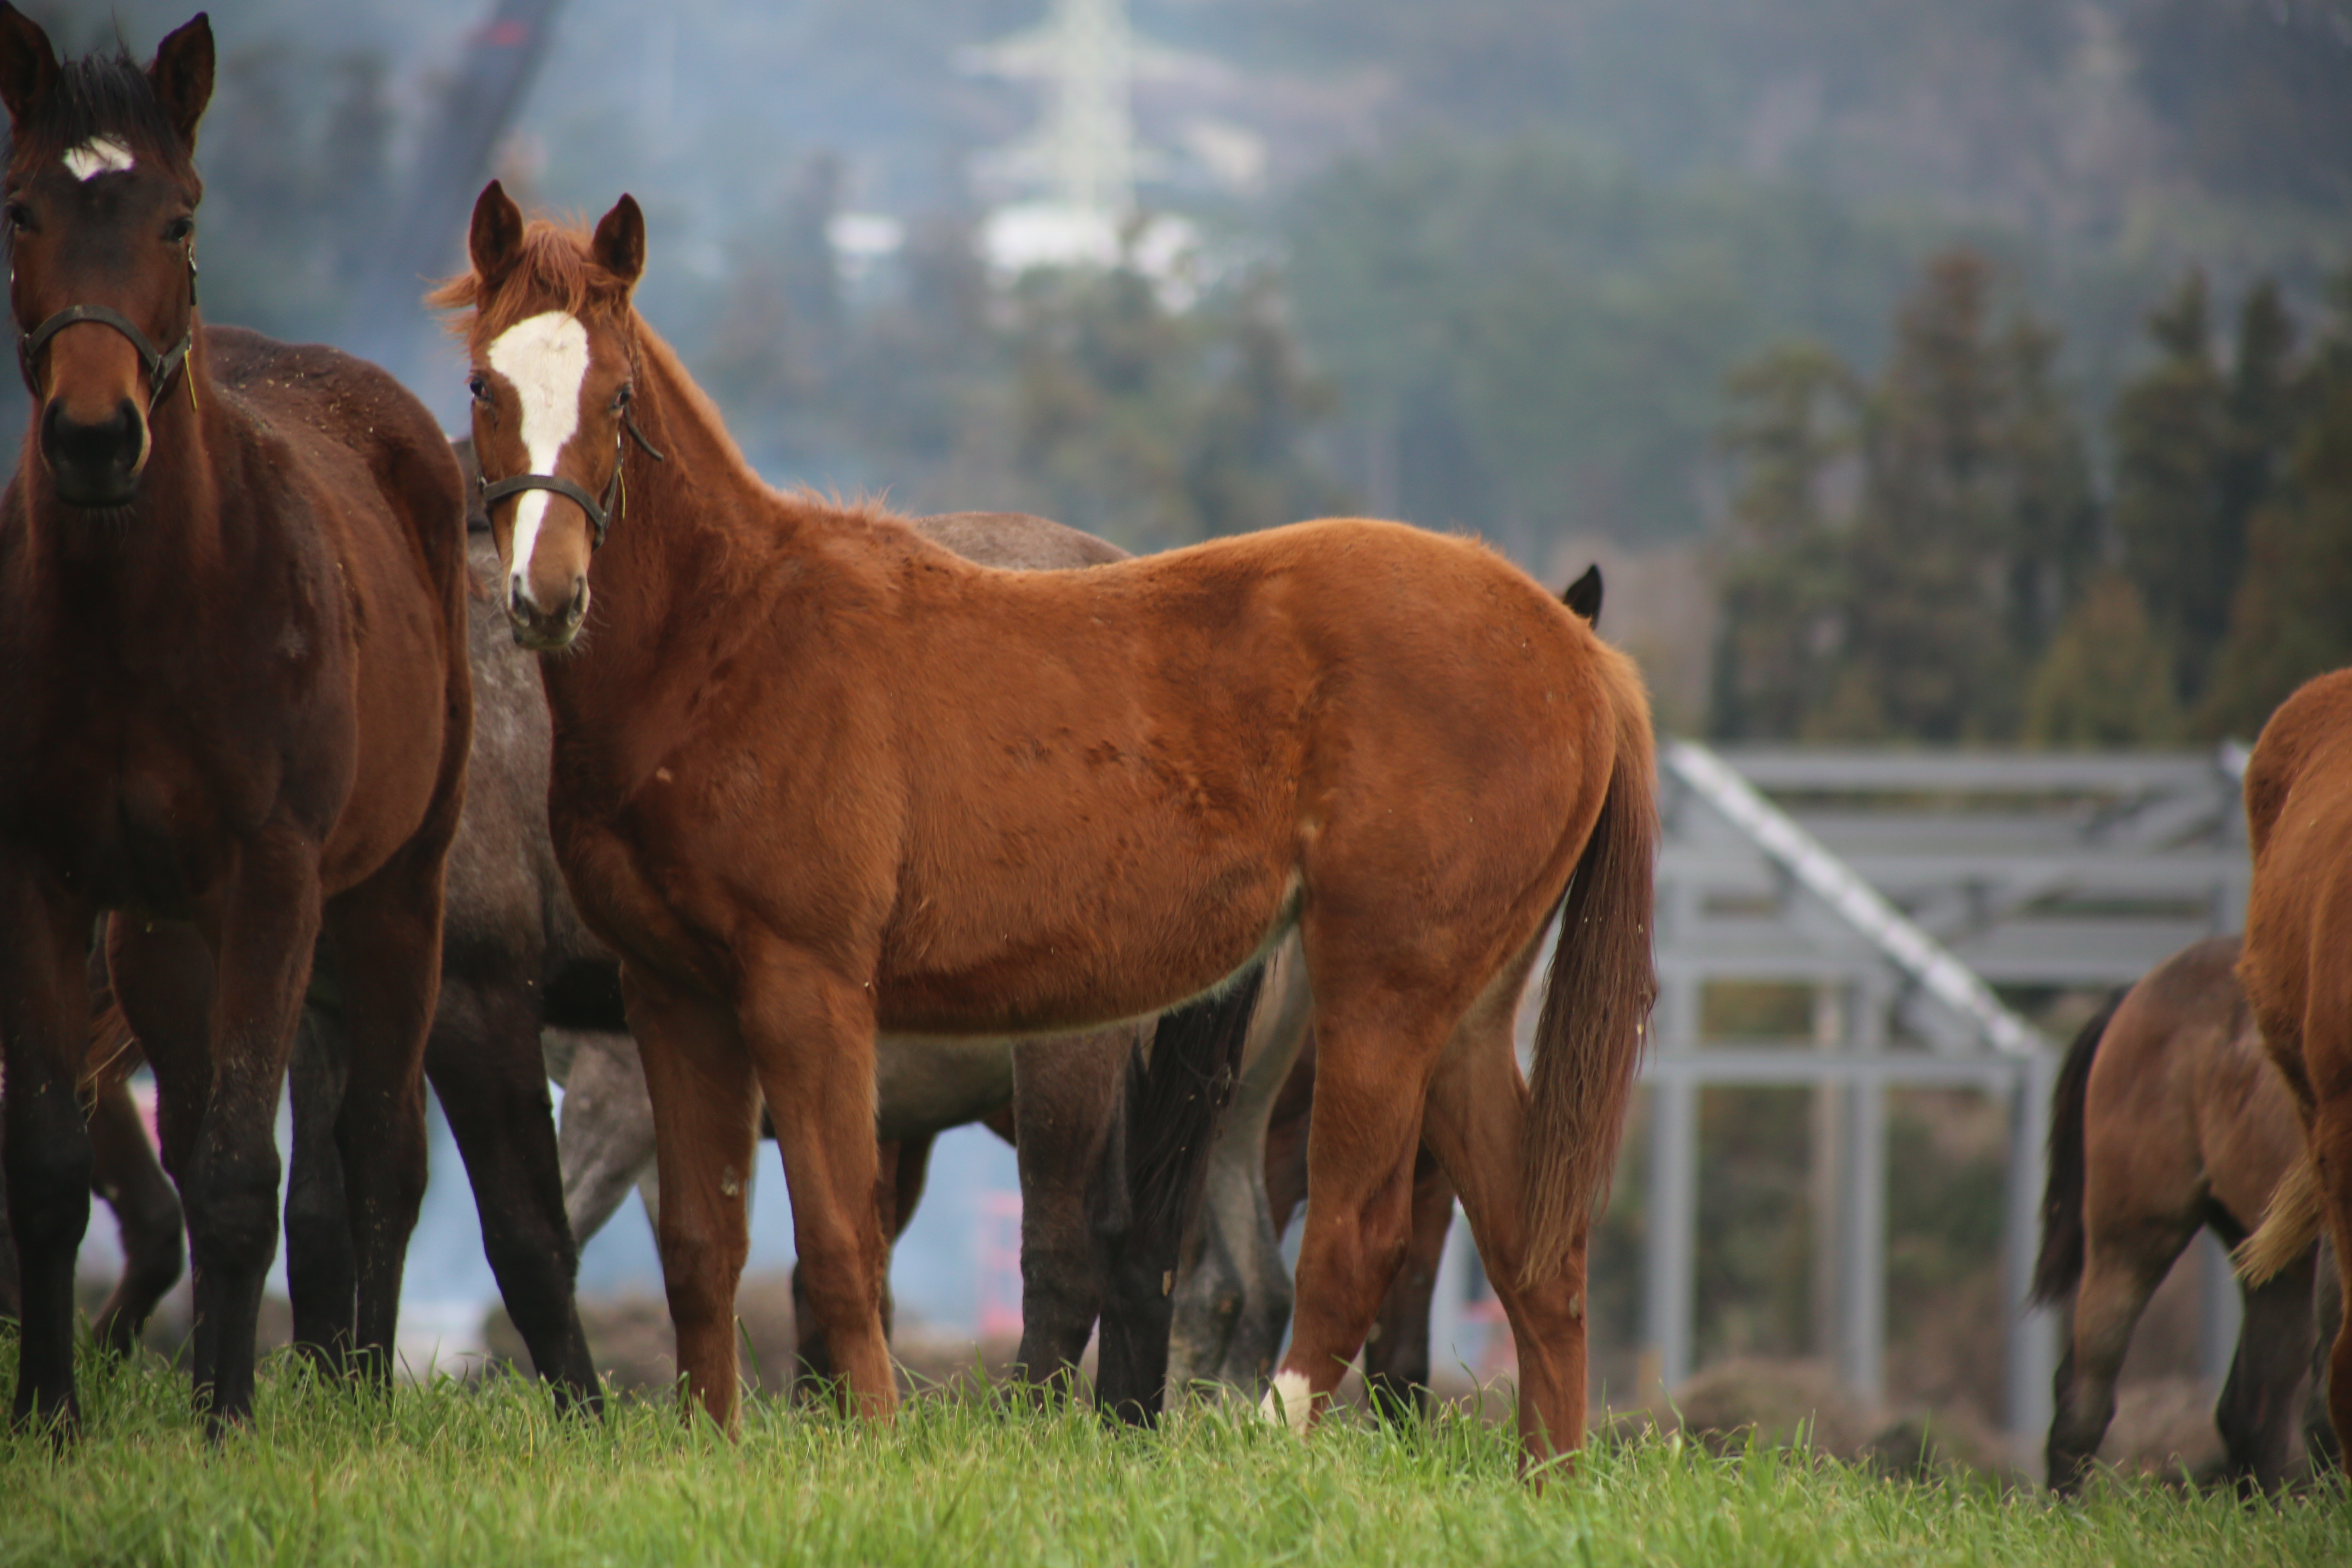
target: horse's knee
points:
(49, 1168)
(233, 1210)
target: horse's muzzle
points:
(542, 631)
(94, 464)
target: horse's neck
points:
(691, 526)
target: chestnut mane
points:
(555, 271)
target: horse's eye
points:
(480, 386)
(178, 229)
(17, 216)
(620, 398)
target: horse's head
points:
(554, 369)
(102, 194)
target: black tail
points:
(1170, 1102)
(2059, 1266)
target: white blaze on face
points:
(99, 156)
(1289, 1402)
(545, 359)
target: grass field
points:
(487, 1473)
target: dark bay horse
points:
(2298, 932)
(234, 709)
(2168, 1119)
(816, 776)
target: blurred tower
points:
(1079, 166)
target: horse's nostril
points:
(94, 464)
(579, 606)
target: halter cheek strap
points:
(161, 364)
(600, 510)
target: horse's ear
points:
(28, 65)
(620, 243)
(1583, 595)
(182, 76)
(495, 240)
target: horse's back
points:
(1015, 540)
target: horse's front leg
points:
(706, 1106)
(269, 926)
(44, 1021)
(810, 1032)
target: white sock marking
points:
(546, 359)
(1289, 1403)
(99, 156)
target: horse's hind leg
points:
(1477, 1128)
(484, 1059)
(321, 1265)
(1065, 1109)
(2257, 1412)
(384, 937)
(2122, 1264)
(1370, 1082)
(1396, 1356)
(44, 1027)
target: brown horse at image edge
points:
(815, 775)
(234, 710)
(2298, 971)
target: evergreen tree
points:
(1786, 586)
(1918, 611)
(2287, 620)
(2106, 680)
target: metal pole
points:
(1862, 1306)
(1672, 1241)
(2224, 1309)
(2032, 1333)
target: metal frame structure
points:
(1902, 887)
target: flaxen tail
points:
(1598, 996)
(2058, 1267)
(2291, 1224)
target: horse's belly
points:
(924, 1086)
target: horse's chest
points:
(134, 824)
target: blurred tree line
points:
(1924, 555)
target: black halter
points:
(600, 512)
(161, 365)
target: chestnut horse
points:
(2298, 933)
(815, 775)
(2168, 1119)
(234, 709)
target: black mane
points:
(100, 94)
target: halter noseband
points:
(600, 512)
(161, 365)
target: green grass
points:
(489, 1473)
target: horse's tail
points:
(111, 1053)
(1598, 996)
(2291, 1223)
(1173, 1098)
(2059, 1264)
